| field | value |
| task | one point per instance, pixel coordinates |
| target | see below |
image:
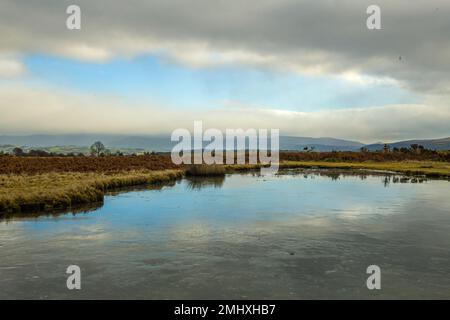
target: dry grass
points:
(55, 191)
(428, 168)
(354, 156)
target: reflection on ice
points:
(298, 234)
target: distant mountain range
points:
(319, 144)
(433, 144)
(160, 143)
(81, 142)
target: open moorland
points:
(38, 165)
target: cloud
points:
(86, 52)
(42, 110)
(11, 67)
(315, 37)
(309, 37)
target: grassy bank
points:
(56, 191)
(428, 168)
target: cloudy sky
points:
(309, 68)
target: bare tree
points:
(97, 148)
(18, 152)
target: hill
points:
(432, 144)
(79, 142)
(136, 144)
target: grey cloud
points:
(330, 36)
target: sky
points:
(308, 68)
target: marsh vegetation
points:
(204, 170)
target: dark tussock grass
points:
(204, 170)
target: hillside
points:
(137, 144)
(432, 144)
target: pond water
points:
(296, 235)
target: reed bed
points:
(205, 170)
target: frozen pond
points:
(296, 235)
